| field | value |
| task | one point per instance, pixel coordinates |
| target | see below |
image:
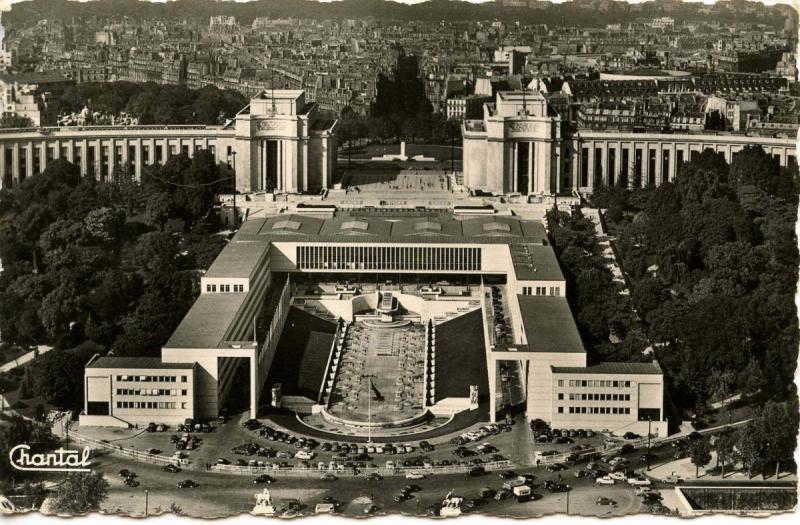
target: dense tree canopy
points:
(108, 263)
(150, 103)
(712, 257)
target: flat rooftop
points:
(535, 262)
(652, 368)
(207, 322)
(408, 226)
(138, 363)
(237, 259)
(549, 325)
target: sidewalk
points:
(686, 470)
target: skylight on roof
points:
(286, 225)
(428, 226)
(355, 225)
(496, 227)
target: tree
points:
(105, 225)
(80, 492)
(750, 448)
(157, 252)
(58, 377)
(703, 177)
(17, 430)
(754, 167)
(719, 386)
(725, 450)
(700, 454)
(159, 209)
(778, 423)
(752, 378)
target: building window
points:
(560, 396)
(183, 379)
(560, 410)
(560, 382)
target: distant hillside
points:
(576, 13)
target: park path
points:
(24, 358)
(14, 363)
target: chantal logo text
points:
(59, 460)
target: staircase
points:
(329, 377)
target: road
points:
(225, 494)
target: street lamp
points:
(146, 497)
(649, 420)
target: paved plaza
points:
(404, 181)
(381, 372)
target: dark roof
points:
(33, 78)
(534, 262)
(136, 362)
(652, 368)
(414, 226)
(549, 326)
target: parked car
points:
(263, 478)
(131, 482)
(476, 471)
(605, 501)
(170, 468)
(502, 494)
(639, 481)
(414, 474)
(187, 484)
(328, 477)
(605, 480)
(631, 435)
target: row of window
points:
(153, 379)
(595, 397)
(150, 392)
(225, 288)
(388, 258)
(150, 404)
(601, 383)
(540, 290)
(596, 410)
